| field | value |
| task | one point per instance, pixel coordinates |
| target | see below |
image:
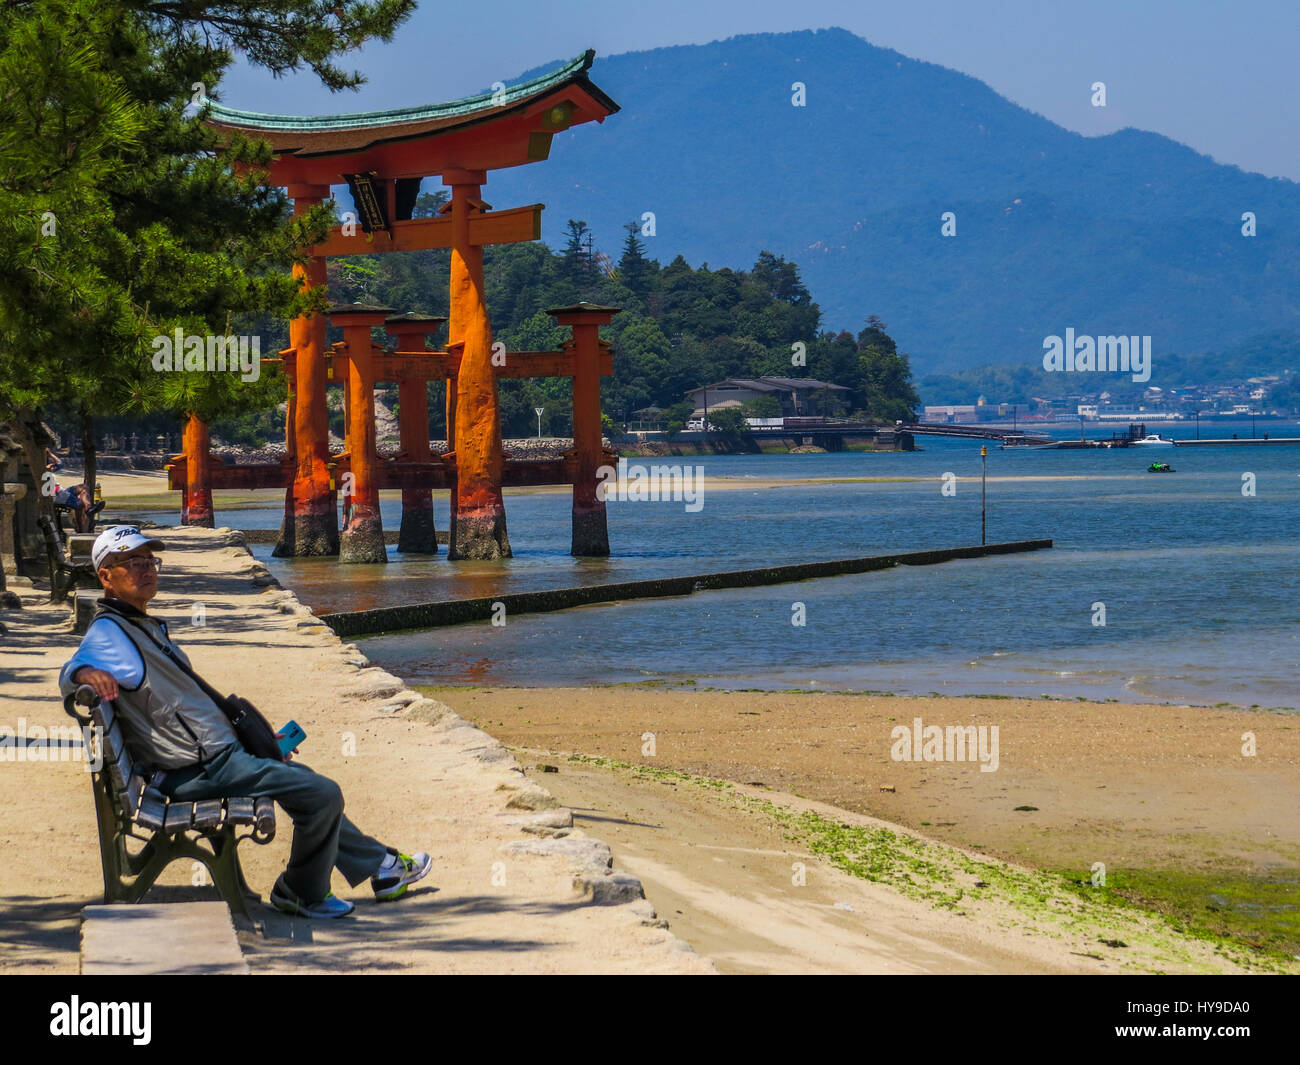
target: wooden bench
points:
(64, 511)
(129, 805)
(64, 574)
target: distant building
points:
(651, 417)
(951, 414)
(793, 393)
(968, 413)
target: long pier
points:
(972, 432)
(458, 611)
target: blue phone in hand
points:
(293, 735)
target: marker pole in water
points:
(984, 484)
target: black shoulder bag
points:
(255, 733)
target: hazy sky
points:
(1222, 77)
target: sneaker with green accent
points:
(398, 873)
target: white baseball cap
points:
(119, 539)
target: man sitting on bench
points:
(170, 723)
(78, 501)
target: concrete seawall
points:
(455, 612)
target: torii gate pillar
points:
(196, 499)
(310, 518)
(417, 535)
(590, 526)
(363, 531)
(478, 516)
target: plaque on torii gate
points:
(383, 156)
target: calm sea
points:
(1199, 584)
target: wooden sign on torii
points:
(383, 156)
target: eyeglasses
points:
(140, 565)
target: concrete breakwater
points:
(458, 611)
(1245, 441)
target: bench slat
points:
(264, 814)
(239, 811)
(113, 741)
(122, 771)
(131, 797)
(207, 814)
(116, 760)
(152, 812)
(179, 816)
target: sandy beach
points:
(1160, 795)
(1125, 784)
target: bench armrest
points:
(83, 695)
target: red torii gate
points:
(383, 156)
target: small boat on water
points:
(1153, 440)
(1160, 467)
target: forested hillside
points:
(681, 326)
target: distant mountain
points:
(1131, 233)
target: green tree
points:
(727, 427)
(833, 357)
(356, 279)
(521, 280)
(780, 280)
(676, 417)
(825, 403)
(579, 265)
(640, 363)
(886, 375)
(537, 333)
(762, 407)
(154, 228)
(429, 204)
(634, 269)
(281, 36)
(64, 119)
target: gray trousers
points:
(323, 839)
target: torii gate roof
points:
(486, 132)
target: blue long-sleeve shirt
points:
(105, 646)
(169, 719)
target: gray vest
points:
(168, 719)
